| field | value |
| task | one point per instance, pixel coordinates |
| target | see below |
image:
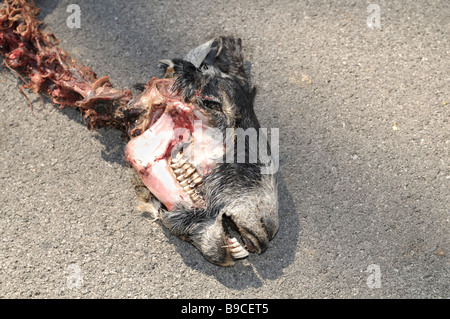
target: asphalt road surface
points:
(363, 116)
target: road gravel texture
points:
(363, 116)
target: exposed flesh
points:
(156, 153)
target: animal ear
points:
(229, 58)
(223, 52)
(204, 53)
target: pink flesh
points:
(149, 153)
(146, 153)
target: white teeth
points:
(176, 158)
(184, 183)
(178, 171)
(195, 182)
(194, 176)
(181, 162)
(234, 243)
(237, 251)
(187, 176)
(178, 162)
(189, 172)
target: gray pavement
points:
(363, 115)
